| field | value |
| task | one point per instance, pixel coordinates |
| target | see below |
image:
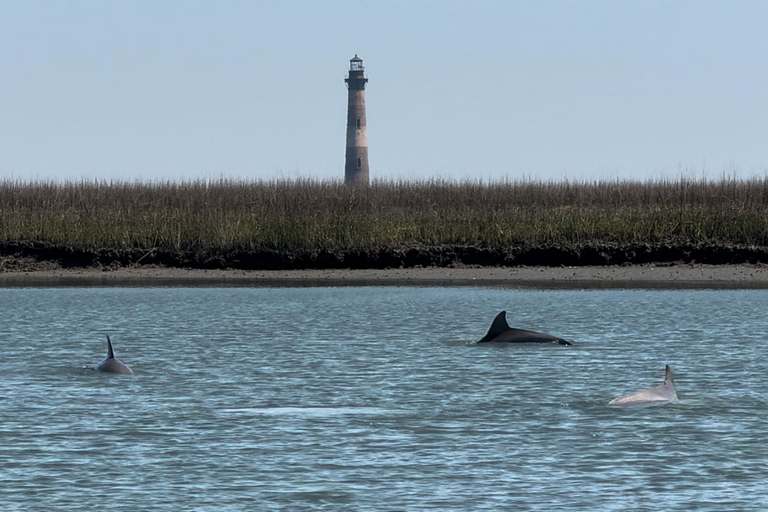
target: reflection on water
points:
(377, 399)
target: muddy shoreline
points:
(28, 265)
(641, 276)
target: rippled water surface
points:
(376, 399)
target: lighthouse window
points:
(358, 123)
(359, 161)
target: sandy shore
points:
(637, 276)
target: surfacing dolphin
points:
(666, 393)
(110, 364)
(500, 332)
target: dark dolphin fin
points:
(110, 350)
(669, 378)
(498, 326)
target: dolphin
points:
(500, 331)
(110, 364)
(665, 393)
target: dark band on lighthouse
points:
(356, 164)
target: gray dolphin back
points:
(498, 327)
(500, 332)
(110, 364)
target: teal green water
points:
(375, 399)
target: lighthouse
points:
(356, 164)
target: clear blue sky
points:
(186, 89)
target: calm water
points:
(375, 399)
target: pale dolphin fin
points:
(669, 377)
(110, 350)
(498, 326)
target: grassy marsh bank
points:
(325, 224)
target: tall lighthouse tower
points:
(356, 166)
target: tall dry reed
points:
(309, 215)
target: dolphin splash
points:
(110, 364)
(665, 393)
(500, 331)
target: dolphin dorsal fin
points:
(110, 350)
(669, 377)
(498, 326)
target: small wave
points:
(305, 411)
(456, 342)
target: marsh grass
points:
(308, 215)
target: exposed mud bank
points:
(34, 256)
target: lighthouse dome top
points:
(356, 63)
